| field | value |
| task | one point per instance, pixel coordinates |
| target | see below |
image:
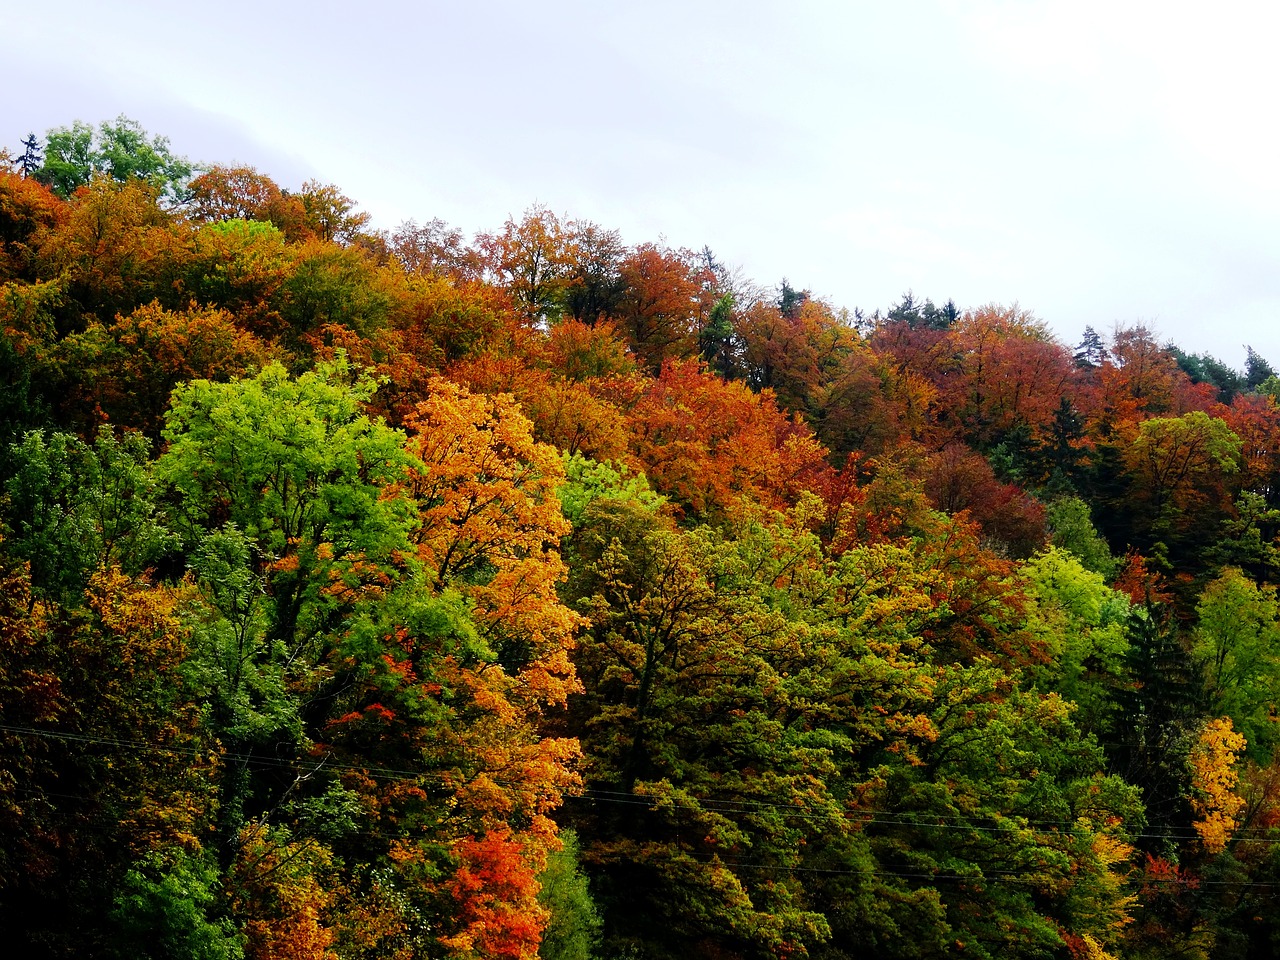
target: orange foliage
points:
(918, 360)
(486, 495)
(571, 418)
(1141, 584)
(25, 208)
(278, 894)
(1010, 372)
(578, 351)
(435, 249)
(116, 247)
(1213, 780)
(126, 371)
(530, 260)
(1143, 380)
(661, 304)
(707, 443)
(241, 193)
(495, 887)
(1255, 419)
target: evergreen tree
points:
(1256, 369)
(1091, 352)
(32, 156)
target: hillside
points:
(544, 593)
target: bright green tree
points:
(1237, 645)
(122, 150)
(1082, 626)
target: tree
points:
(686, 716)
(166, 907)
(1237, 647)
(71, 509)
(32, 156)
(530, 259)
(1178, 468)
(278, 485)
(435, 248)
(127, 370)
(121, 150)
(1071, 528)
(573, 930)
(1203, 368)
(223, 193)
(708, 443)
(27, 209)
(1009, 375)
(1092, 352)
(329, 214)
(1082, 626)
(595, 284)
(1256, 369)
(660, 304)
(1213, 779)
(115, 250)
(925, 316)
(97, 697)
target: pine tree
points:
(32, 156)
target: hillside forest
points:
(544, 593)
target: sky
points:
(1096, 163)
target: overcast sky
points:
(1095, 162)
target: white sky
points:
(1096, 162)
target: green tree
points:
(122, 150)
(573, 932)
(1237, 646)
(70, 509)
(1257, 370)
(686, 716)
(1071, 528)
(32, 156)
(166, 909)
(1082, 626)
(279, 486)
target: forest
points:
(544, 593)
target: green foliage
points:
(586, 481)
(1257, 370)
(278, 484)
(1203, 368)
(1237, 646)
(1082, 625)
(835, 724)
(121, 150)
(573, 932)
(166, 909)
(925, 316)
(71, 508)
(292, 463)
(331, 285)
(1071, 528)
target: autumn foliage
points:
(376, 594)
